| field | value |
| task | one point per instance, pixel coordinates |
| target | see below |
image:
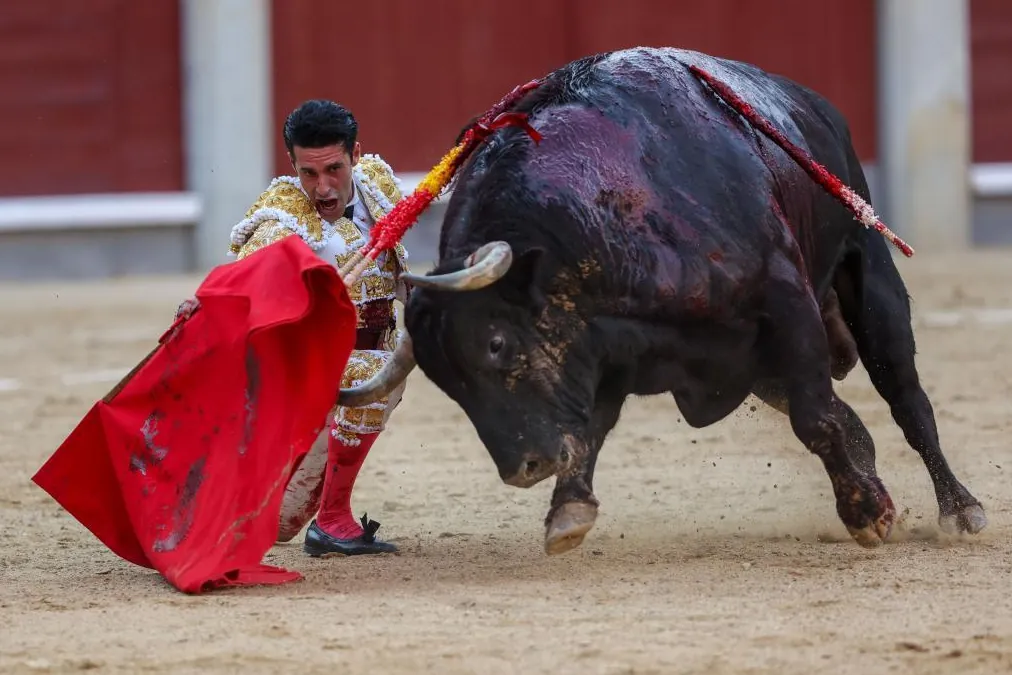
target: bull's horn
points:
(385, 381)
(481, 268)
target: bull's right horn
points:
(483, 267)
(394, 371)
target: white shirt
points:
(362, 218)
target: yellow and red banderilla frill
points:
(389, 229)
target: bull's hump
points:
(652, 66)
(667, 68)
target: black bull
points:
(654, 242)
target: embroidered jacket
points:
(284, 209)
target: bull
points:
(652, 242)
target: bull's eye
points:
(495, 345)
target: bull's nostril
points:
(531, 467)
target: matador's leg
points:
(353, 434)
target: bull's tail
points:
(861, 209)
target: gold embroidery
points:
(360, 420)
(290, 199)
(377, 175)
(362, 366)
(371, 288)
(372, 205)
(353, 239)
(347, 437)
(285, 203)
(268, 232)
(380, 176)
(376, 282)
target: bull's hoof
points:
(872, 535)
(568, 526)
(868, 512)
(967, 520)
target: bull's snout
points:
(533, 468)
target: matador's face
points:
(325, 174)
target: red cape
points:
(182, 467)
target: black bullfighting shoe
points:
(318, 543)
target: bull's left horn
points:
(385, 381)
(483, 267)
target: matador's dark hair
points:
(318, 123)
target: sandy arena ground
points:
(716, 550)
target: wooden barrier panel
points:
(91, 98)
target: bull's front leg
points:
(574, 506)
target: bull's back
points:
(706, 153)
(820, 223)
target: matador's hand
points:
(186, 308)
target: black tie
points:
(349, 212)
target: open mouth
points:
(326, 204)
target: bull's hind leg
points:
(795, 339)
(878, 311)
(860, 446)
(574, 506)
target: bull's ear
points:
(470, 123)
(524, 282)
